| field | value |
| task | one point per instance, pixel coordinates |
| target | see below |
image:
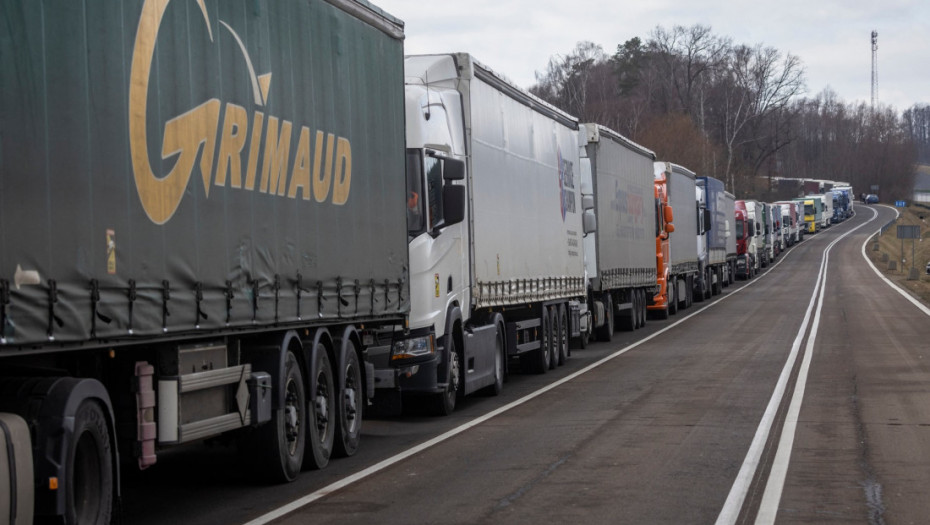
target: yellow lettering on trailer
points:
(195, 132)
(235, 131)
(300, 177)
(343, 161)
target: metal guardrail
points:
(891, 223)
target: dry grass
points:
(890, 252)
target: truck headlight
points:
(413, 347)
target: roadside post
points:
(912, 232)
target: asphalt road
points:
(772, 403)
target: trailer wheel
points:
(629, 320)
(605, 332)
(90, 491)
(553, 337)
(637, 322)
(349, 409)
(561, 339)
(283, 439)
(543, 354)
(642, 308)
(689, 291)
(321, 406)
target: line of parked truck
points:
(370, 229)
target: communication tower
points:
(874, 68)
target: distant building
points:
(922, 187)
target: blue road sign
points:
(900, 204)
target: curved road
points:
(772, 403)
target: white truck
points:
(620, 257)
(507, 280)
(716, 212)
(756, 247)
(789, 215)
(827, 197)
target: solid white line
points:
(768, 508)
(731, 508)
(897, 288)
(377, 467)
(737, 496)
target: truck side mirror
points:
(589, 221)
(587, 202)
(453, 204)
(669, 216)
(707, 221)
(453, 169)
(669, 227)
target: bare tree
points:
(756, 86)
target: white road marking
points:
(738, 492)
(775, 484)
(897, 288)
(362, 474)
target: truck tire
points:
(561, 338)
(671, 295)
(350, 403)
(689, 291)
(90, 458)
(553, 337)
(605, 332)
(628, 319)
(283, 439)
(16, 470)
(643, 312)
(445, 400)
(543, 354)
(321, 408)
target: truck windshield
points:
(416, 205)
(808, 209)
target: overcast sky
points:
(832, 38)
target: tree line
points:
(736, 112)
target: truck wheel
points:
(90, 491)
(553, 337)
(605, 332)
(628, 320)
(349, 409)
(689, 291)
(322, 407)
(284, 437)
(445, 401)
(543, 354)
(561, 339)
(636, 320)
(642, 308)
(585, 336)
(671, 296)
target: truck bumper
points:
(418, 376)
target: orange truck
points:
(676, 244)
